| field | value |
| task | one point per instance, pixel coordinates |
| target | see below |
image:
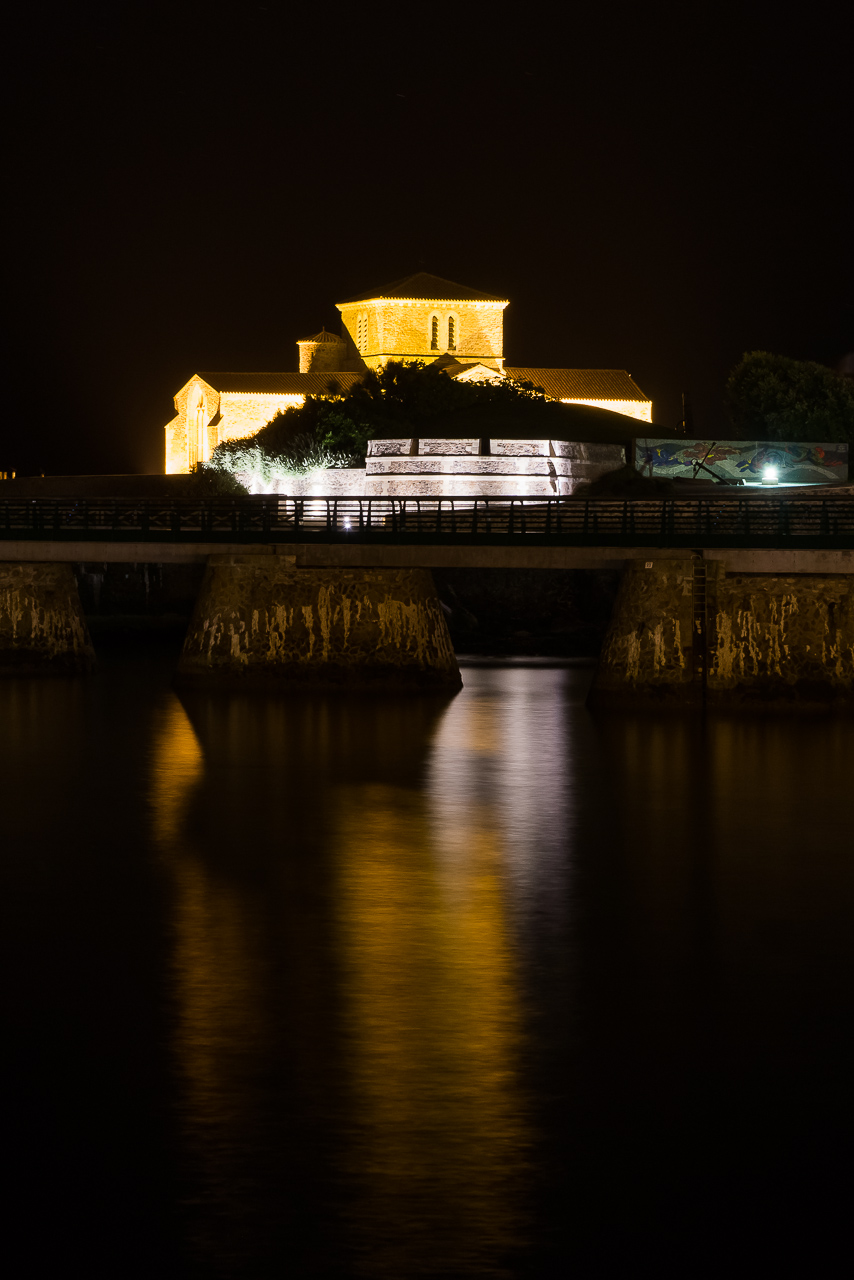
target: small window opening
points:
(452, 334)
(434, 334)
(485, 447)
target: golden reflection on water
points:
(219, 1014)
(421, 1037)
(433, 1035)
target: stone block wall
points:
(261, 620)
(639, 409)
(528, 468)
(337, 482)
(178, 430)
(42, 628)
(231, 415)
(781, 639)
(769, 641)
(399, 328)
(244, 412)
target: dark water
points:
(491, 987)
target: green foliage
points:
(771, 397)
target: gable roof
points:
(426, 287)
(303, 384)
(580, 384)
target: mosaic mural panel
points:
(743, 460)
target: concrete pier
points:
(687, 633)
(42, 628)
(261, 620)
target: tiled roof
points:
(424, 286)
(323, 336)
(580, 384)
(288, 384)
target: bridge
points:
(732, 598)
(754, 533)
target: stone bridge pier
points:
(686, 632)
(261, 620)
(42, 627)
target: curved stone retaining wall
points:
(260, 620)
(42, 628)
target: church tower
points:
(423, 317)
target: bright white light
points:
(346, 522)
(769, 475)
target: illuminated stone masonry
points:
(42, 627)
(260, 620)
(422, 317)
(685, 632)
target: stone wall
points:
(786, 639)
(687, 633)
(527, 468)
(42, 628)
(261, 620)
(231, 415)
(400, 328)
(177, 431)
(639, 409)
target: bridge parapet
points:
(680, 522)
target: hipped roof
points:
(580, 384)
(425, 287)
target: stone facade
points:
(450, 468)
(322, 353)
(42, 628)
(758, 640)
(639, 409)
(261, 620)
(210, 410)
(385, 329)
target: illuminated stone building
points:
(422, 317)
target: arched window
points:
(452, 334)
(434, 334)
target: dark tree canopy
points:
(772, 397)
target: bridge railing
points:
(671, 521)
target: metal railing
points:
(725, 521)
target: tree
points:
(771, 397)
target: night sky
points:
(194, 186)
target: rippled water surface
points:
(481, 987)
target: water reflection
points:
(341, 982)
(399, 988)
(433, 1029)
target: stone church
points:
(421, 317)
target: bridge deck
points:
(462, 521)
